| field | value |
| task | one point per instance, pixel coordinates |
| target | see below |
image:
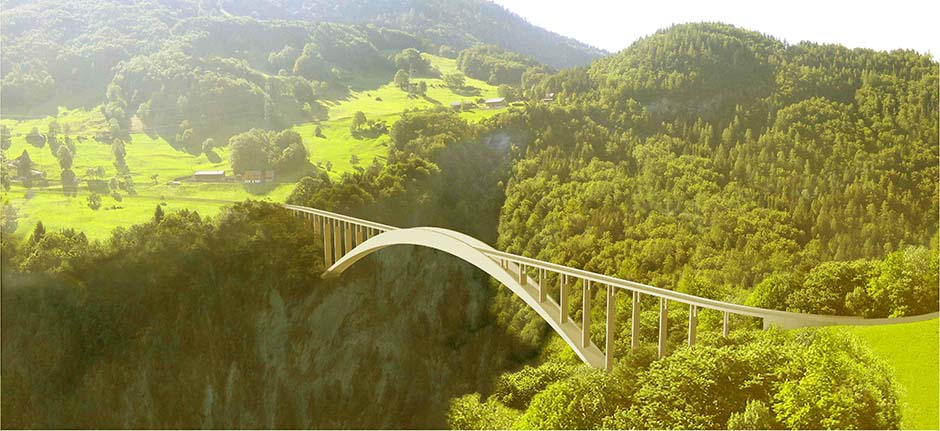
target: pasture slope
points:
(152, 155)
(912, 350)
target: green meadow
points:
(152, 155)
(911, 349)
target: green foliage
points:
(38, 232)
(516, 390)
(455, 80)
(100, 339)
(494, 65)
(756, 416)
(65, 157)
(754, 380)
(402, 79)
(908, 282)
(35, 139)
(826, 286)
(6, 138)
(508, 92)
(579, 402)
(54, 252)
(94, 201)
(361, 127)
(259, 149)
(900, 285)
(411, 61)
(836, 383)
(700, 388)
(469, 413)
(24, 165)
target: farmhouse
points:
(257, 176)
(209, 176)
(495, 103)
(462, 106)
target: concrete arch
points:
(467, 249)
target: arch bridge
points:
(346, 240)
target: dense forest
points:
(704, 158)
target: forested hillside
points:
(449, 24)
(706, 158)
(726, 164)
(68, 53)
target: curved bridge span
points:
(346, 240)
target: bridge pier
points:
(563, 299)
(542, 292)
(724, 324)
(337, 240)
(611, 328)
(693, 323)
(635, 322)
(348, 236)
(328, 243)
(317, 228)
(586, 314)
(663, 323)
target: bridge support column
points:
(522, 275)
(327, 243)
(724, 324)
(663, 323)
(541, 287)
(348, 233)
(317, 226)
(693, 324)
(611, 328)
(337, 239)
(586, 314)
(635, 322)
(563, 299)
(360, 234)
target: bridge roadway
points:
(346, 240)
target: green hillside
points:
(153, 155)
(911, 350)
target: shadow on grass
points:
(432, 100)
(467, 91)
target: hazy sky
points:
(614, 25)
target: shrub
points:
(580, 402)
(836, 383)
(467, 412)
(517, 389)
(756, 416)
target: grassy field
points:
(912, 350)
(152, 155)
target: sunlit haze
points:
(614, 25)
